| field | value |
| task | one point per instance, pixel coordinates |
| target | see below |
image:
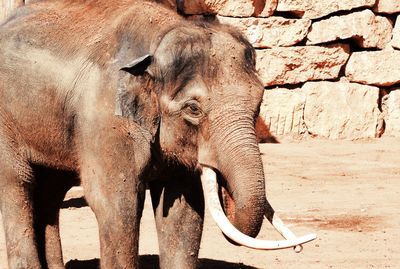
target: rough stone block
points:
(391, 111)
(313, 9)
(340, 110)
(270, 32)
(387, 6)
(396, 34)
(294, 65)
(230, 8)
(282, 110)
(267, 10)
(368, 30)
(379, 68)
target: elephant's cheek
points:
(167, 139)
(178, 144)
(205, 154)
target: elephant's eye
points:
(192, 109)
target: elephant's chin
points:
(211, 187)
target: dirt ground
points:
(348, 192)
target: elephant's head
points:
(202, 98)
(209, 102)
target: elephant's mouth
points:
(214, 193)
(225, 196)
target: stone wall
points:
(331, 68)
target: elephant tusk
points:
(280, 226)
(210, 188)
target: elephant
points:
(117, 96)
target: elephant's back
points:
(48, 25)
(90, 27)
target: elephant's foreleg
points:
(50, 191)
(118, 217)
(113, 158)
(117, 202)
(179, 212)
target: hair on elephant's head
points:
(198, 96)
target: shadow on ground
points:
(152, 262)
(74, 202)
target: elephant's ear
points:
(136, 98)
(138, 66)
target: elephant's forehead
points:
(225, 45)
(200, 46)
(181, 44)
(220, 57)
(194, 89)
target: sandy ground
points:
(348, 192)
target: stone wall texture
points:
(331, 68)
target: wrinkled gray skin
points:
(120, 95)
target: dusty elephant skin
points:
(120, 94)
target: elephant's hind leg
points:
(51, 187)
(16, 186)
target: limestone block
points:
(396, 34)
(340, 110)
(319, 8)
(379, 68)
(391, 110)
(294, 65)
(387, 6)
(267, 10)
(368, 30)
(282, 110)
(270, 32)
(235, 8)
(230, 8)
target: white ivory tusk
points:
(284, 231)
(210, 188)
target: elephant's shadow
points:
(74, 202)
(146, 261)
(152, 262)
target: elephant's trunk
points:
(244, 193)
(238, 161)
